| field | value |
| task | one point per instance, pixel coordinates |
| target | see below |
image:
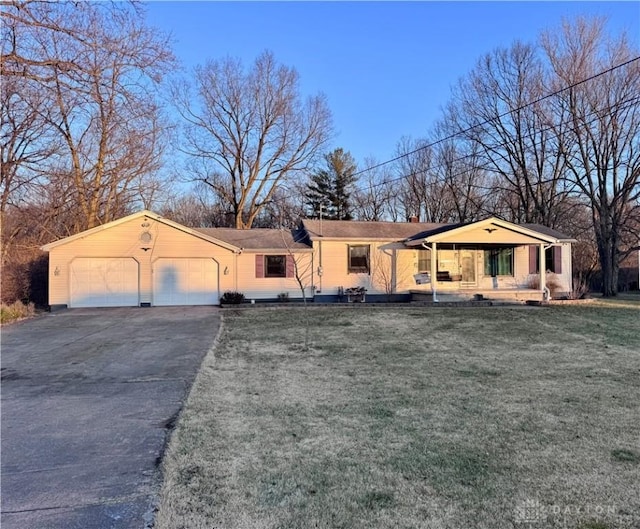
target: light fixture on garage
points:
(226, 270)
(56, 272)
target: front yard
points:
(413, 418)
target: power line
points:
(451, 136)
(620, 105)
(500, 116)
(628, 103)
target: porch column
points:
(394, 274)
(542, 267)
(434, 271)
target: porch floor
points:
(514, 295)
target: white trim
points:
(444, 235)
(143, 213)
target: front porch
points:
(491, 260)
(513, 295)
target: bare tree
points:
(500, 108)
(421, 188)
(26, 142)
(371, 200)
(81, 133)
(285, 208)
(458, 166)
(251, 130)
(600, 143)
(303, 274)
(195, 208)
(25, 147)
(97, 65)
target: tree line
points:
(95, 124)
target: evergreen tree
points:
(330, 187)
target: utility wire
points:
(483, 123)
(619, 106)
(500, 116)
(628, 103)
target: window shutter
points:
(533, 259)
(259, 265)
(557, 259)
(291, 266)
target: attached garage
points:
(146, 260)
(140, 260)
(185, 281)
(104, 282)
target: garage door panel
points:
(185, 282)
(104, 282)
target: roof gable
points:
(128, 218)
(498, 231)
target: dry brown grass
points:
(438, 418)
(10, 312)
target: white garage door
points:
(104, 282)
(185, 282)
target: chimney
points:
(413, 219)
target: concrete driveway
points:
(88, 397)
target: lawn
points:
(412, 418)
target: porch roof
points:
(488, 231)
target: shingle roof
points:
(434, 231)
(256, 238)
(275, 239)
(548, 231)
(352, 229)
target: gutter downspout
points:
(434, 267)
(320, 266)
(235, 269)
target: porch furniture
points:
(355, 294)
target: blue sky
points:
(386, 67)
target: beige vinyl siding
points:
(566, 277)
(406, 267)
(269, 287)
(124, 240)
(335, 269)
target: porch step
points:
(477, 296)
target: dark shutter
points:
(259, 265)
(557, 259)
(291, 266)
(533, 259)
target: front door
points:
(468, 264)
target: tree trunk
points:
(609, 264)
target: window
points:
(498, 262)
(552, 260)
(359, 259)
(275, 266)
